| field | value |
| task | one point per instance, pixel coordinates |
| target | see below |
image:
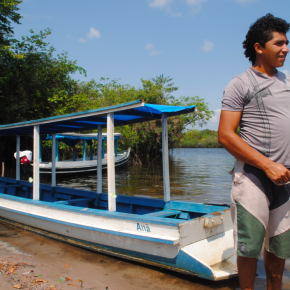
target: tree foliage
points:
(145, 138)
(36, 83)
(8, 13)
(30, 73)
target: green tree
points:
(145, 138)
(8, 13)
(31, 75)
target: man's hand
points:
(229, 122)
(278, 173)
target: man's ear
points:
(258, 47)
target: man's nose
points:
(285, 48)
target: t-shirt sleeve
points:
(234, 96)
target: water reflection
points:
(196, 174)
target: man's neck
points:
(268, 70)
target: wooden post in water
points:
(36, 135)
(165, 158)
(3, 167)
(111, 163)
(99, 161)
(17, 158)
(53, 159)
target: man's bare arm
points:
(229, 122)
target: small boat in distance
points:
(84, 164)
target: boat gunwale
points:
(105, 213)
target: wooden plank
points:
(17, 157)
(111, 163)
(10, 185)
(53, 158)
(99, 161)
(36, 137)
(164, 213)
(165, 158)
(72, 201)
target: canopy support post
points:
(84, 150)
(116, 147)
(165, 158)
(74, 153)
(53, 159)
(99, 165)
(40, 155)
(17, 158)
(103, 149)
(111, 163)
(36, 135)
(56, 150)
(91, 152)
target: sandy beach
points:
(41, 263)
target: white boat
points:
(187, 237)
(84, 164)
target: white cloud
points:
(155, 52)
(68, 35)
(82, 40)
(151, 48)
(160, 3)
(94, 33)
(207, 46)
(286, 71)
(215, 119)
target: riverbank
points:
(200, 139)
(33, 262)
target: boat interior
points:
(152, 207)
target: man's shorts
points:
(260, 210)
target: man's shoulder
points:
(284, 75)
(240, 81)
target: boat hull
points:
(79, 166)
(188, 246)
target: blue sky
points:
(196, 42)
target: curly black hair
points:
(261, 32)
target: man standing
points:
(258, 100)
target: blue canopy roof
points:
(124, 114)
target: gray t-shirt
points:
(265, 105)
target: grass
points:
(200, 139)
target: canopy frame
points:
(123, 114)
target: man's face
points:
(275, 51)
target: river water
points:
(199, 175)
(196, 174)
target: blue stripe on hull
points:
(182, 262)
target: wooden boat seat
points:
(74, 201)
(164, 213)
(10, 185)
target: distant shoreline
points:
(200, 139)
(220, 146)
